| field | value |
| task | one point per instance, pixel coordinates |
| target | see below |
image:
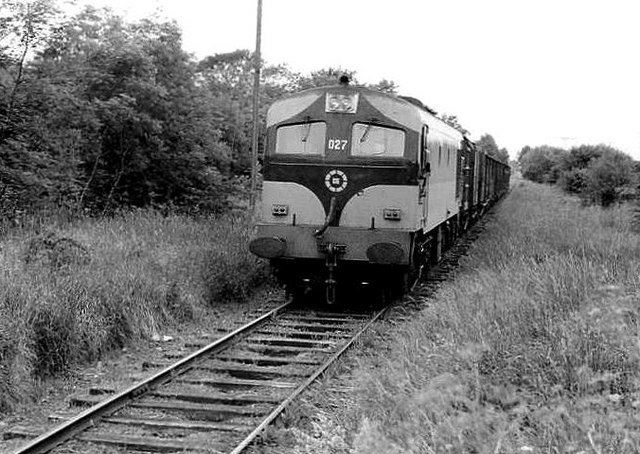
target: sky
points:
(543, 72)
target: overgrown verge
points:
(533, 348)
(598, 174)
(72, 293)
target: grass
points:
(75, 291)
(534, 348)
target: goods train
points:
(364, 188)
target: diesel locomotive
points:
(364, 188)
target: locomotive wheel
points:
(408, 280)
(435, 247)
(417, 266)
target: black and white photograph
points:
(319, 227)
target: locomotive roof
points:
(404, 110)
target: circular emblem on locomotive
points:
(336, 181)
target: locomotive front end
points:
(339, 199)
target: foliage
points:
(77, 291)
(541, 164)
(110, 116)
(228, 77)
(599, 173)
(97, 113)
(328, 76)
(230, 271)
(488, 145)
(607, 177)
(386, 86)
(452, 120)
(24, 173)
(26, 24)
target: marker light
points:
(392, 214)
(341, 102)
(279, 209)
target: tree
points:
(99, 113)
(523, 153)
(598, 173)
(385, 86)
(26, 24)
(24, 172)
(608, 175)
(330, 76)
(541, 164)
(324, 77)
(582, 156)
(452, 120)
(113, 116)
(488, 145)
(228, 78)
(503, 155)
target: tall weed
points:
(71, 293)
(533, 348)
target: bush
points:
(573, 181)
(230, 271)
(541, 164)
(599, 173)
(607, 176)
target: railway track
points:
(218, 399)
(222, 397)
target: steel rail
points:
(89, 417)
(280, 408)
